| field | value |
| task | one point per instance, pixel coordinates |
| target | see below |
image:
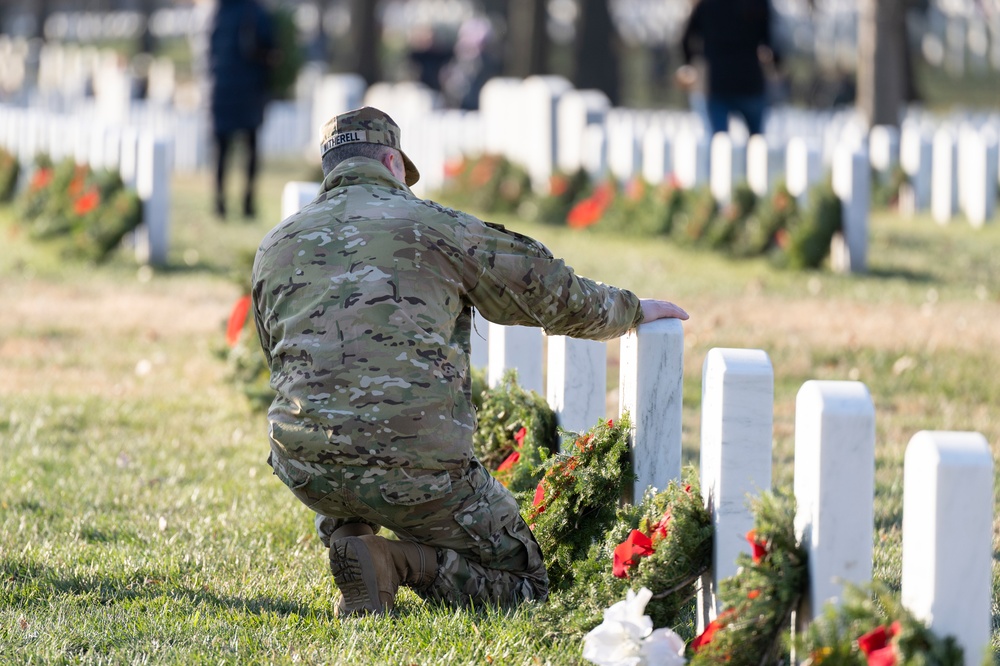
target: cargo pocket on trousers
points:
(487, 521)
(481, 525)
(294, 478)
(415, 486)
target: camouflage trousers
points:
(485, 552)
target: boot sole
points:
(351, 564)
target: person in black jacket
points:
(241, 49)
(734, 37)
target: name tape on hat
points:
(354, 136)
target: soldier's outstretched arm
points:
(518, 281)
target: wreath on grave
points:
(591, 209)
(516, 431)
(10, 168)
(34, 198)
(693, 221)
(642, 209)
(746, 227)
(873, 628)
(757, 235)
(663, 544)
(51, 194)
(805, 241)
(102, 215)
(246, 365)
(886, 188)
(576, 501)
(564, 193)
(489, 183)
(89, 212)
(731, 218)
(870, 628)
(757, 603)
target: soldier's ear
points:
(393, 161)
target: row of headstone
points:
(947, 503)
(13, 64)
(954, 36)
(948, 476)
(545, 125)
(964, 174)
(142, 159)
(68, 74)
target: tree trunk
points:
(527, 38)
(596, 50)
(366, 40)
(882, 61)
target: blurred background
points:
(946, 51)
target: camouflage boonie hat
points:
(366, 125)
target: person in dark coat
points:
(241, 50)
(734, 37)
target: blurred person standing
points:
(241, 52)
(476, 61)
(429, 54)
(734, 38)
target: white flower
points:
(626, 637)
(663, 648)
(611, 644)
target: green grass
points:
(139, 522)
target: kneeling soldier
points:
(363, 304)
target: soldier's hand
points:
(653, 309)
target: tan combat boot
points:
(369, 570)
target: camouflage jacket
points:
(363, 304)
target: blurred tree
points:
(885, 76)
(596, 50)
(366, 38)
(527, 38)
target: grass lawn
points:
(139, 522)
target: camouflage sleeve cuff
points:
(639, 314)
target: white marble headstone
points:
(519, 348)
(651, 387)
(852, 184)
(153, 188)
(737, 412)
(834, 487)
(577, 381)
(691, 159)
(657, 156)
(948, 501)
(944, 176)
(915, 153)
(538, 134)
(576, 110)
(295, 195)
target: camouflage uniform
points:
(363, 304)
